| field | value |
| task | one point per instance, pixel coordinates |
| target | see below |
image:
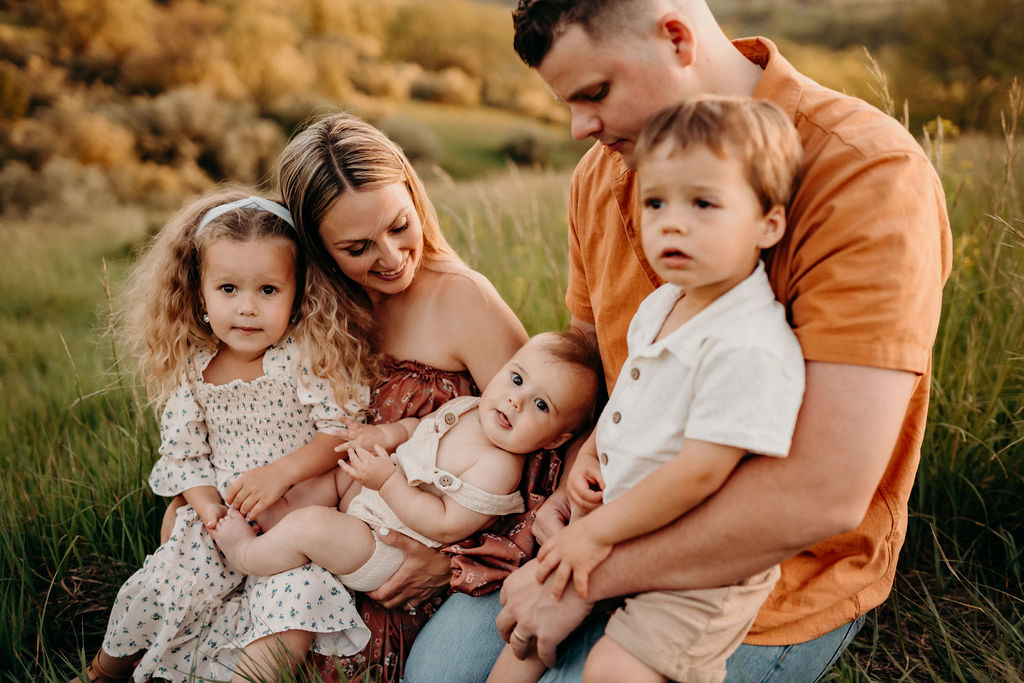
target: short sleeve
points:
(748, 397)
(577, 293)
(184, 448)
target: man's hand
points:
(256, 490)
(369, 469)
(425, 572)
(540, 621)
(572, 553)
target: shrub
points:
(450, 86)
(527, 147)
(420, 143)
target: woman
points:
(428, 327)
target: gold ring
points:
(515, 634)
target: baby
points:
(453, 472)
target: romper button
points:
(445, 480)
(604, 458)
(616, 416)
(450, 419)
(635, 373)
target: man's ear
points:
(675, 28)
(774, 226)
(557, 441)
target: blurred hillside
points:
(107, 103)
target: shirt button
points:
(603, 458)
(450, 419)
(635, 373)
(616, 416)
(445, 480)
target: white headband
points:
(246, 203)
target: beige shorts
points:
(688, 635)
(376, 570)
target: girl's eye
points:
(653, 203)
(227, 289)
(517, 379)
(267, 290)
(702, 203)
(541, 404)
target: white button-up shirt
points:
(731, 375)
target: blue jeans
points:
(460, 644)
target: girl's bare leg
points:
(337, 542)
(269, 657)
(609, 661)
(167, 525)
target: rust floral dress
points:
(479, 563)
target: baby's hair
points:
(341, 153)
(160, 315)
(757, 131)
(579, 350)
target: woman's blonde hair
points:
(341, 153)
(160, 314)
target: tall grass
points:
(76, 443)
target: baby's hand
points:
(256, 490)
(360, 435)
(369, 469)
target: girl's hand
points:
(369, 469)
(256, 490)
(573, 553)
(585, 483)
(211, 513)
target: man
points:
(860, 271)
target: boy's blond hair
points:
(758, 132)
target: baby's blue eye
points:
(541, 405)
(517, 379)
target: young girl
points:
(239, 339)
(453, 471)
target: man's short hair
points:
(539, 22)
(756, 131)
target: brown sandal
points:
(97, 674)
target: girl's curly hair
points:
(159, 314)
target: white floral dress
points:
(185, 607)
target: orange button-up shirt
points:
(860, 271)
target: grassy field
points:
(77, 442)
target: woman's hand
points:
(369, 469)
(425, 572)
(552, 516)
(256, 490)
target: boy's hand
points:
(572, 553)
(256, 490)
(369, 469)
(360, 435)
(585, 483)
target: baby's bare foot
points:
(233, 536)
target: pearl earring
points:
(206, 319)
